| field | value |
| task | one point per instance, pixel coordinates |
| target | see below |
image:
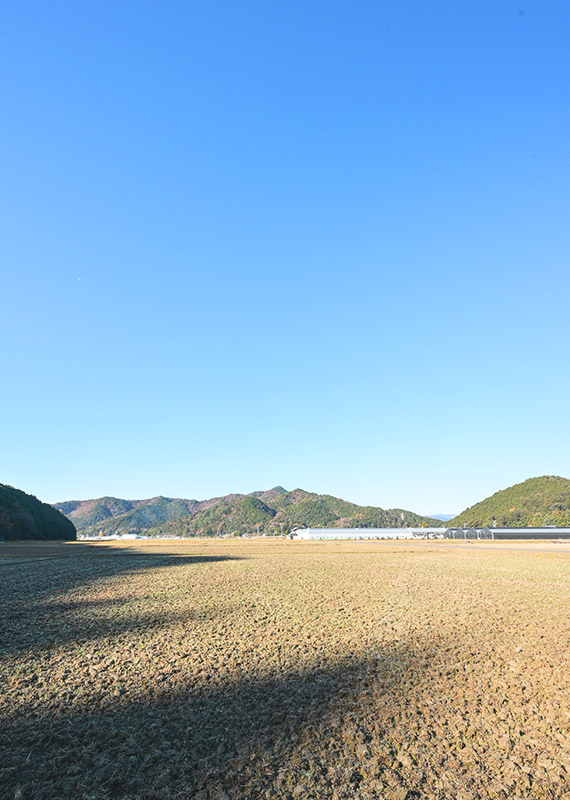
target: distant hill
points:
(23, 516)
(269, 512)
(87, 514)
(535, 502)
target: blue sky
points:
(313, 244)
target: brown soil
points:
(261, 669)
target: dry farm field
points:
(266, 669)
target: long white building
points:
(423, 533)
(363, 533)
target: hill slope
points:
(23, 516)
(535, 502)
(269, 512)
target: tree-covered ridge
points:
(23, 516)
(270, 512)
(534, 502)
(87, 514)
(90, 512)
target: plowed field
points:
(216, 670)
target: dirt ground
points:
(218, 670)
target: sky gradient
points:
(322, 245)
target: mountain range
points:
(271, 512)
(542, 501)
(535, 502)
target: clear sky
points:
(318, 244)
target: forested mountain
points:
(23, 516)
(269, 512)
(534, 502)
(134, 513)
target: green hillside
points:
(245, 514)
(23, 516)
(535, 502)
(268, 512)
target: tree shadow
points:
(182, 734)
(82, 566)
(34, 595)
(310, 732)
(56, 549)
(56, 624)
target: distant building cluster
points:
(111, 537)
(332, 534)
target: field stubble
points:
(216, 670)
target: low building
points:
(364, 533)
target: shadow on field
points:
(258, 738)
(71, 566)
(36, 615)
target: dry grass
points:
(217, 670)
